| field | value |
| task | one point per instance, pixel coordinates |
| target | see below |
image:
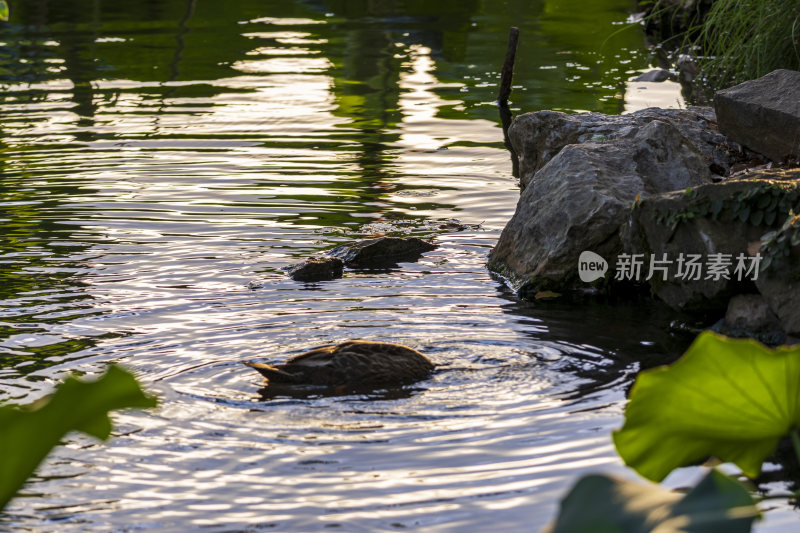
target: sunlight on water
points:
(163, 161)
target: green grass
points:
(741, 40)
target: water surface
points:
(162, 161)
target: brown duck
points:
(351, 365)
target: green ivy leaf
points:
(605, 504)
(716, 207)
(27, 434)
(773, 203)
(744, 213)
(728, 398)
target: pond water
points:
(162, 160)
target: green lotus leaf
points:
(601, 504)
(728, 398)
(27, 434)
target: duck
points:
(348, 366)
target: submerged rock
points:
(763, 114)
(454, 224)
(397, 227)
(316, 269)
(378, 253)
(381, 252)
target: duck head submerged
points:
(352, 366)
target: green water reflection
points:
(572, 54)
(72, 69)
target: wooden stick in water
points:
(508, 67)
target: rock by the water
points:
(381, 252)
(728, 218)
(540, 136)
(699, 223)
(782, 295)
(579, 199)
(687, 68)
(656, 75)
(780, 284)
(749, 315)
(316, 269)
(658, 185)
(763, 114)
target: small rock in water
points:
(383, 252)
(749, 311)
(455, 225)
(749, 315)
(316, 269)
(687, 68)
(254, 284)
(656, 75)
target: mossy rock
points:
(731, 218)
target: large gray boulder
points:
(579, 199)
(763, 114)
(540, 136)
